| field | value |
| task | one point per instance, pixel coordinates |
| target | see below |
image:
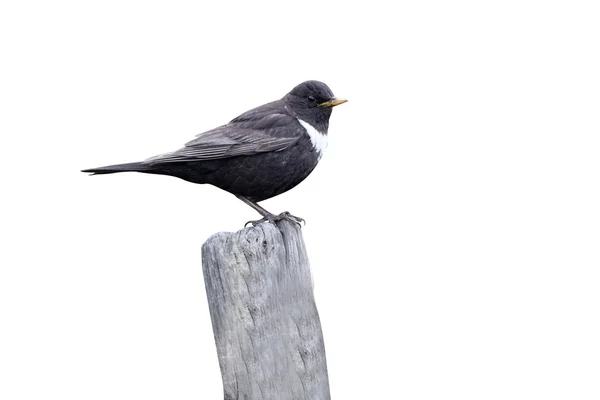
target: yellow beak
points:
(332, 103)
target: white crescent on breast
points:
(318, 139)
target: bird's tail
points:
(129, 167)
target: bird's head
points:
(312, 102)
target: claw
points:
(292, 218)
(274, 218)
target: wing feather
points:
(259, 134)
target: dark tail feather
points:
(111, 169)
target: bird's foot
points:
(291, 218)
(281, 217)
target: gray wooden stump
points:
(264, 318)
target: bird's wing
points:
(259, 134)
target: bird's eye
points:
(311, 99)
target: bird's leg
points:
(267, 216)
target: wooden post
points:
(264, 318)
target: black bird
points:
(262, 153)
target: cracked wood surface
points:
(264, 318)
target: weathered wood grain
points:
(265, 321)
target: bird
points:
(260, 154)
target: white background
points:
(453, 223)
